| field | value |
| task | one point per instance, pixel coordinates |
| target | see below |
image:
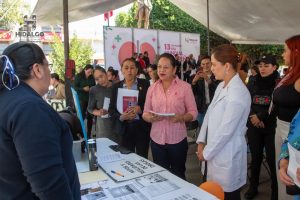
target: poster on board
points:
(146, 40)
(169, 42)
(118, 45)
(190, 44)
(121, 43)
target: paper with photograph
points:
(126, 99)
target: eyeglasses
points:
(9, 79)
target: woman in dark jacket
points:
(35, 143)
(82, 84)
(261, 126)
(134, 131)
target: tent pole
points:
(208, 39)
(66, 51)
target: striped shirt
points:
(178, 99)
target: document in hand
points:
(294, 163)
(126, 98)
(163, 114)
(106, 106)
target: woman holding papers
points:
(35, 142)
(290, 155)
(169, 104)
(221, 141)
(99, 99)
(126, 108)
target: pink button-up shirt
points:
(178, 99)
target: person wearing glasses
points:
(35, 143)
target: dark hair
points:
(255, 68)
(55, 76)
(131, 60)
(205, 57)
(153, 66)
(22, 56)
(226, 53)
(113, 72)
(110, 67)
(168, 56)
(100, 69)
(88, 66)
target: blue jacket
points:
(36, 149)
(293, 137)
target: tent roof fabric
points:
(239, 21)
(51, 12)
(247, 21)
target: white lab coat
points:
(223, 130)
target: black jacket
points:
(199, 92)
(261, 90)
(142, 86)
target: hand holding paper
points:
(106, 102)
(294, 163)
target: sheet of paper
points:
(92, 176)
(163, 114)
(294, 163)
(155, 185)
(132, 166)
(96, 191)
(107, 158)
(106, 106)
(189, 194)
(123, 99)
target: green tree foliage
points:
(257, 51)
(11, 13)
(167, 16)
(80, 51)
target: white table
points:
(160, 185)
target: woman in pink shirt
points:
(168, 133)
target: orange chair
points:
(213, 188)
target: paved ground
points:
(194, 175)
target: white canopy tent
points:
(51, 12)
(240, 21)
(247, 21)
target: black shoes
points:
(251, 193)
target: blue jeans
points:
(171, 156)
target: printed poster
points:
(146, 40)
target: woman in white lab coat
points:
(221, 141)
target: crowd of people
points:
(232, 114)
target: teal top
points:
(293, 137)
